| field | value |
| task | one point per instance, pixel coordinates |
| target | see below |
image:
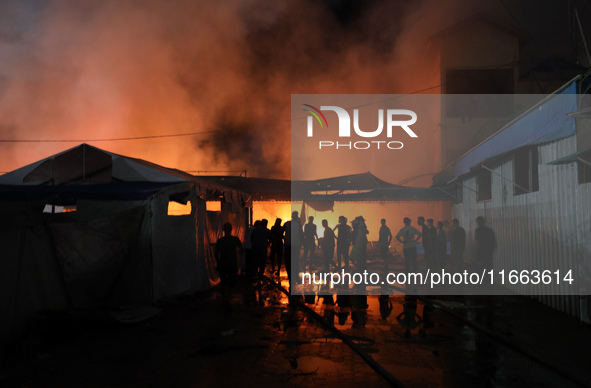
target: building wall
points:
(479, 45)
(548, 228)
(474, 46)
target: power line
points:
(95, 140)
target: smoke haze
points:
(112, 69)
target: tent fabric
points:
(389, 194)
(260, 189)
(364, 181)
(83, 162)
(174, 251)
(90, 165)
(60, 261)
(265, 189)
(546, 121)
(119, 248)
(68, 194)
(317, 193)
(364, 187)
(321, 206)
(115, 274)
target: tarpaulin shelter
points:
(321, 194)
(260, 189)
(118, 248)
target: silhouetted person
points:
(359, 318)
(310, 238)
(343, 316)
(343, 242)
(441, 246)
(384, 240)
(408, 318)
(260, 242)
(344, 301)
(249, 257)
(385, 306)
(432, 242)
(227, 250)
(329, 316)
(458, 245)
(293, 242)
(277, 245)
(359, 238)
(485, 244)
(406, 236)
(428, 243)
(328, 244)
(446, 227)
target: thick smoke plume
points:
(111, 69)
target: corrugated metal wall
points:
(550, 228)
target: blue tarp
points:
(546, 121)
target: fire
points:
(372, 212)
(110, 71)
(271, 211)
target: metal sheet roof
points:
(546, 121)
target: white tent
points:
(118, 248)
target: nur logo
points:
(392, 117)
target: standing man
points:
(260, 242)
(310, 238)
(384, 240)
(427, 243)
(277, 245)
(406, 236)
(485, 244)
(293, 242)
(432, 239)
(328, 245)
(458, 245)
(227, 250)
(249, 265)
(359, 239)
(343, 242)
(441, 246)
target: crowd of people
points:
(436, 239)
(350, 243)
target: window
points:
(49, 208)
(213, 206)
(483, 185)
(584, 171)
(179, 209)
(525, 171)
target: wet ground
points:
(263, 339)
